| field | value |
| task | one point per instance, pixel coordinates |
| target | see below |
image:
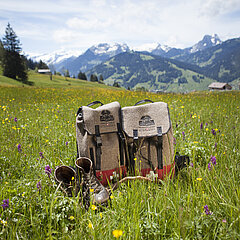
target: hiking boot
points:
(68, 178)
(100, 194)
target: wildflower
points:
(4, 223)
(209, 166)
(66, 143)
(48, 170)
(91, 190)
(183, 134)
(224, 220)
(213, 132)
(5, 204)
(117, 233)
(199, 179)
(215, 145)
(15, 119)
(207, 210)
(19, 148)
(201, 126)
(41, 155)
(206, 124)
(71, 218)
(111, 196)
(100, 215)
(191, 164)
(90, 225)
(174, 141)
(94, 207)
(213, 160)
(39, 186)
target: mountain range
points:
(157, 66)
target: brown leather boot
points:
(100, 194)
(68, 178)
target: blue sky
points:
(49, 25)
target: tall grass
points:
(38, 129)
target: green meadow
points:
(38, 129)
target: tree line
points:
(14, 64)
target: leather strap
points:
(98, 147)
(159, 148)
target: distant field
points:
(41, 80)
(38, 129)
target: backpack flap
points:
(145, 120)
(105, 117)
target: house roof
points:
(218, 85)
(43, 70)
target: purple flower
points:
(15, 119)
(183, 134)
(215, 145)
(213, 160)
(5, 204)
(191, 164)
(39, 186)
(209, 166)
(206, 124)
(174, 141)
(66, 143)
(48, 170)
(213, 132)
(207, 210)
(201, 125)
(41, 155)
(19, 148)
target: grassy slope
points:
(40, 80)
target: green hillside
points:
(221, 62)
(40, 80)
(136, 69)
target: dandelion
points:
(48, 170)
(19, 148)
(199, 179)
(5, 204)
(213, 160)
(117, 233)
(91, 190)
(71, 218)
(112, 197)
(90, 225)
(207, 210)
(94, 207)
(39, 186)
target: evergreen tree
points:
(82, 76)
(13, 63)
(93, 78)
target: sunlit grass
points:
(38, 129)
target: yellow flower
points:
(91, 190)
(199, 179)
(117, 233)
(182, 106)
(135, 159)
(90, 225)
(94, 207)
(72, 178)
(111, 196)
(71, 218)
(206, 129)
(100, 215)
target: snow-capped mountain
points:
(76, 61)
(206, 42)
(54, 57)
(109, 49)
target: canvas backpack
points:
(100, 138)
(149, 137)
